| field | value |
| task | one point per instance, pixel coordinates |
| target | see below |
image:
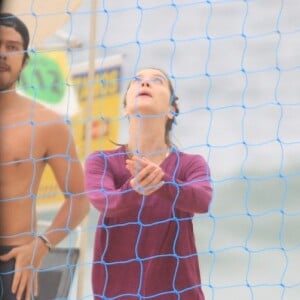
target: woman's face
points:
(148, 94)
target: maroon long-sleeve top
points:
(144, 245)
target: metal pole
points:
(88, 137)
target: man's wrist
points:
(46, 242)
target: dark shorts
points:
(7, 271)
(54, 283)
(6, 276)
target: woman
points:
(147, 192)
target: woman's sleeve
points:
(193, 192)
(101, 188)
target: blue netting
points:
(235, 67)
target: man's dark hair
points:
(10, 20)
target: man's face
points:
(11, 57)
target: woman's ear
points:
(171, 113)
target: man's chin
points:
(6, 88)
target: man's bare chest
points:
(19, 144)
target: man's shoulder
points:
(45, 114)
(37, 111)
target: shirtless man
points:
(31, 136)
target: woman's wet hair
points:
(10, 20)
(173, 102)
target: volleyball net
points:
(235, 67)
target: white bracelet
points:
(46, 241)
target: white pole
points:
(88, 140)
(91, 77)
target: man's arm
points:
(62, 157)
(63, 160)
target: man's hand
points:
(27, 262)
(147, 176)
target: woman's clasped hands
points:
(147, 177)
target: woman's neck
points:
(147, 137)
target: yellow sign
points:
(105, 109)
